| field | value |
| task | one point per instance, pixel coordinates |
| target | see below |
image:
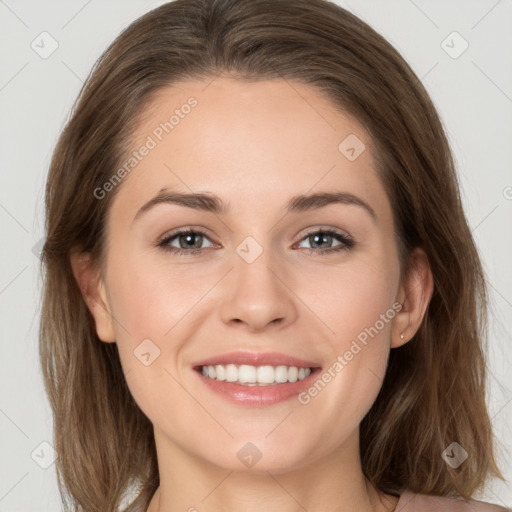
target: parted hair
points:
(434, 390)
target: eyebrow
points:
(211, 203)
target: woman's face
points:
(258, 283)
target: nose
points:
(258, 296)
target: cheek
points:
(355, 301)
(151, 297)
(358, 306)
(157, 308)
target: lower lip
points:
(258, 395)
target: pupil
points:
(316, 238)
(189, 240)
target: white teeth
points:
(231, 373)
(249, 375)
(220, 372)
(265, 375)
(246, 374)
(281, 374)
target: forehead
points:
(256, 142)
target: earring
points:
(401, 336)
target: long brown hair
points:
(434, 390)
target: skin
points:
(255, 145)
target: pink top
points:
(411, 502)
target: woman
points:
(201, 349)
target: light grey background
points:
(472, 92)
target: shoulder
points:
(411, 502)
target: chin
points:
(262, 456)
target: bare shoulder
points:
(411, 502)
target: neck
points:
(331, 483)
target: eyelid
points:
(185, 229)
(323, 229)
(346, 242)
(204, 231)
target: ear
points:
(414, 294)
(95, 295)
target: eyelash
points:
(347, 243)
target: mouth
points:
(256, 379)
(248, 375)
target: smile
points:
(248, 375)
(254, 378)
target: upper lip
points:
(256, 359)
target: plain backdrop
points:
(471, 87)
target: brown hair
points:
(434, 389)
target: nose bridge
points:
(258, 295)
